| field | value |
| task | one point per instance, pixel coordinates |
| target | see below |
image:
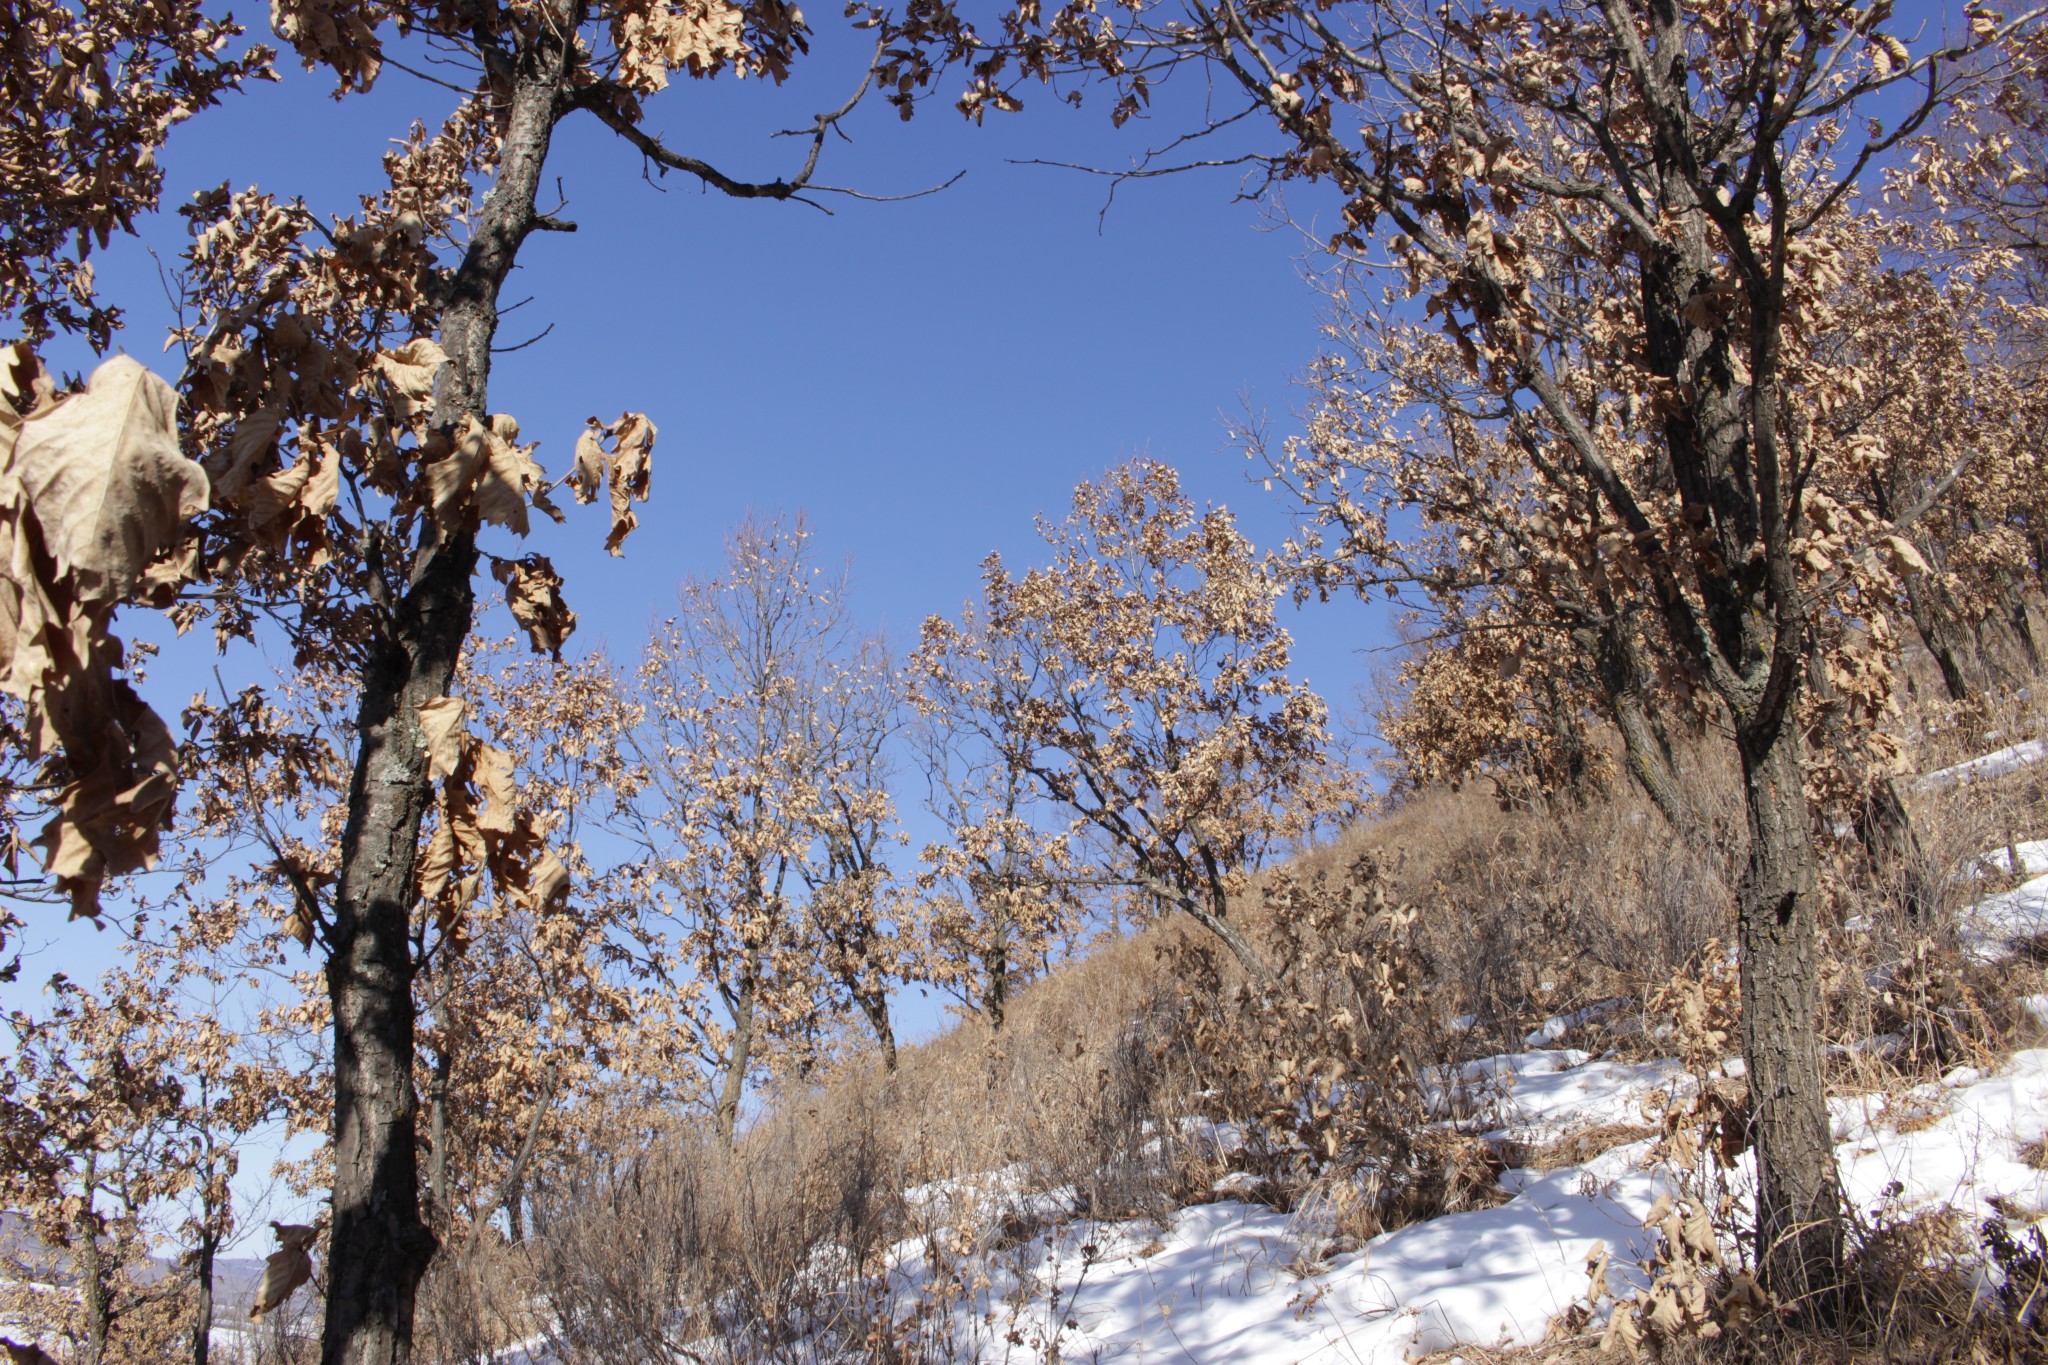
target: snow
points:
(1240, 1282)
(1993, 925)
(1554, 1029)
(2006, 760)
(1232, 1281)
(1538, 1096)
(2033, 855)
(1967, 1155)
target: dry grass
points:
(1521, 917)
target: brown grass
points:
(1522, 916)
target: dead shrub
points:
(1321, 1077)
(695, 1249)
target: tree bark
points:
(437, 1139)
(202, 1299)
(380, 1246)
(875, 1005)
(1645, 749)
(1799, 1227)
(995, 964)
(1946, 638)
(95, 1298)
(739, 1054)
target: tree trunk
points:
(437, 1140)
(1645, 748)
(2022, 622)
(739, 1054)
(379, 1247)
(1799, 1228)
(95, 1301)
(875, 1005)
(1886, 831)
(202, 1299)
(1946, 638)
(995, 964)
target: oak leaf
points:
(408, 373)
(447, 738)
(287, 1268)
(102, 475)
(533, 594)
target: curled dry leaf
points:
(533, 593)
(287, 1268)
(441, 725)
(408, 374)
(290, 1266)
(94, 500)
(483, 826)
(109, 488)
(625, 466)
(485, 476)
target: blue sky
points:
(919, 378)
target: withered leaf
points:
(283, 1273)
(408, 373)
(533, 593)
(447, 737)
(102, 475)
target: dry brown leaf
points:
(495, 783)
(408, 373)
(547, 881)
(533, 593)
(1744, 1300)
(103, 477)
(296, 1236)
(439, 862)
(588, 477)
(447, 738)
(630, 474)
(508, 473)
(254, 438)
(283, 1273)
(1623, 1334)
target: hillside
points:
(1154, 1162)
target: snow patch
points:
(2009, 759)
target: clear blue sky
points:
(920, 378)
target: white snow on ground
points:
(1967, 1155)
(1533, 1097)
(2006, 760)
(2033, 860)
(1227, 1281)
(1994, 924)
(1233, 1281)
(1553, 1029)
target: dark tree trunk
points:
(1886, 831)
(1947, 638)
(1645, 748)
(995, 964)
(1799, 1228)
(202, 1298)
(2021, 619)
(875, 1005)
(95, 1297)
(380, 1246)
(439, 1211)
